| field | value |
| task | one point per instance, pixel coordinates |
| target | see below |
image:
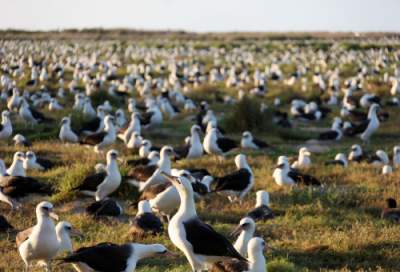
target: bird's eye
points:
(46, 208)
(68, 228)
(163, 252)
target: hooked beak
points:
(307, 153)
(236, 231)
(53, 215)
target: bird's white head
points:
(246, 224)
(66, 120)
(19, 156)
(304, 151)
(45, 210)
(247, 135)
(262, 198)
(144, 207)
(195, 129)
(256, 245)
(112, 155)
(240, 161)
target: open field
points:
(334, 228)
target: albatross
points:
(262, 211)
(200, 243)
(217, 145)
(249, 142)
(284, 175)
(102, 139)
(107, 257)
(39, 243)
(104, 183)
(145, 176)
(238, 183)
(145, 221)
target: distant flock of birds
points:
(168, 194)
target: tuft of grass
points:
(246, 115)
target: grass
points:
(337, 228)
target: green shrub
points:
(246, 115)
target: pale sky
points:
(204, 15)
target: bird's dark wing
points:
(226, 144)
(91, 182)
(148, 222)
(260, 143)
(206, 241)
(182, 151)
(200, 188)
(47, 164)
(138, 162)
(335, 162)
(303, 178)
(153, 190)
(105, 207)
(328, 135)
(93, 139)
(236, 181)
(104, 257)
(92, 125)
(1, 127)
(261, 213)
(146, 117)
(199, 173)
(142, 173)
(21, 186)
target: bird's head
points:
(19, 156)
(246, 224)
(112, 155)
(45, 209)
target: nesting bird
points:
(104, 183)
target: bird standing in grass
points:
(200, 243)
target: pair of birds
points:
(44, 241)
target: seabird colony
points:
(158, 124)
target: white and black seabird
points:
(112, 257)
(284, 175)
(217, 145)
(39, 243)
(145, 176)
(200, 243)
(262, 211)
(340, 159)
(5, 126)
(20, 140)
(238, 183)
(95, 125)
(35, 163)
(356, 154)
(145, 222)
(379, 158)
(249, 142)
(104, 183)
(152, 159)
(194, 148)
(102, 139)
(104, 207)
(245, 231)
(17, 166)
(303, 160)
(67, 135)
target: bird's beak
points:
(170, 178)
(307, 153)
(54, 216)
(76, 233)
(236, 231)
